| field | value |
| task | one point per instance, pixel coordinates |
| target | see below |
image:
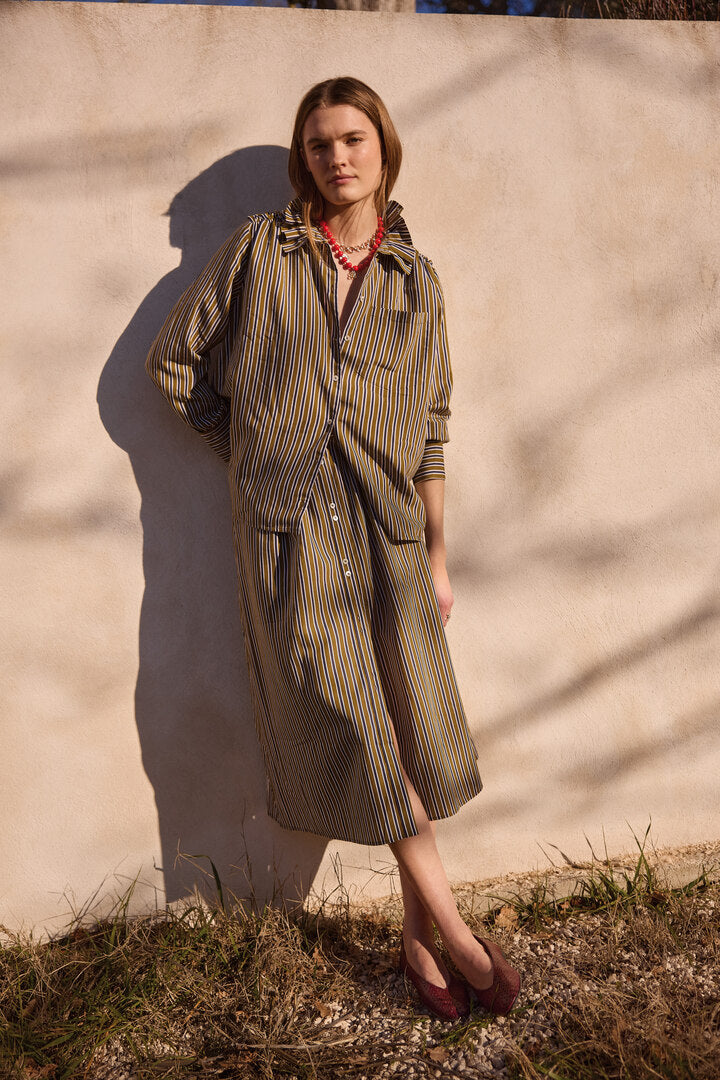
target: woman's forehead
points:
(336, 120)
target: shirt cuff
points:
(219, 436)
(432, 466)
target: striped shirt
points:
(252, 357)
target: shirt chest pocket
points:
(256, 361)
(388, 341)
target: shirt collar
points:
(397, 242)
(292, 229)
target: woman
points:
(311, 354)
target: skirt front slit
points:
(343, 639)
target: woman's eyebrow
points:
(345, 135)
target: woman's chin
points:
(341, 199)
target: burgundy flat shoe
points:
(438, 999)
(458, 990)
(500, 997)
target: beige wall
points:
(563, 176)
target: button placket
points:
(334, 516)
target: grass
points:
(603, 887)
(621, 982)
(641, 999)
(644, 985)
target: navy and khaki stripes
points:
(325, 436)
(251, 356)
(344, 637)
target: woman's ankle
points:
(418, 926)
(470, 958)
(422, 935)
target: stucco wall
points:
(563, 176)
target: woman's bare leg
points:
(428, 899)
(418, 935)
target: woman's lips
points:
(341, 179)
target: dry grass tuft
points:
(641, 995)
(621, 982)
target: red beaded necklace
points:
(337, 250)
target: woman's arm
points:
(432, 493)
(429, 477)
(179, 357)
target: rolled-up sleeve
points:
(432, 466)
(179, 358)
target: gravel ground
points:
(386, 1015)
(551, 961)
(382, 1030)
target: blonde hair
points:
(342, 91)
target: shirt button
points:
(335, 378)
(348, 573)
(335, 517)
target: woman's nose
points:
(337, 153)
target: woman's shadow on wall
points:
(193, 710)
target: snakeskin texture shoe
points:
(438, 999)
(500, 997)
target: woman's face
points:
(342, 151)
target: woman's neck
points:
(352, 224)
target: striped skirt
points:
(343, 638)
